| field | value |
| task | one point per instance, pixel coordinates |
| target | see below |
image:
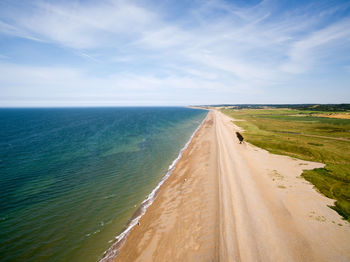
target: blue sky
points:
(123, 53)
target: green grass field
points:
(299, 134)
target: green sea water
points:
(70, 179)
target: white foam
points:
(109, 196)
(112, 251)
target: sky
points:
(173, 53)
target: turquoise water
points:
(70, 179)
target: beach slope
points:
(227, 201)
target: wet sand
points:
(227, 201)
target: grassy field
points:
(303, 134)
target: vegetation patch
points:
(335, 115)
(315, 144)
(276, 176)
(300, 134)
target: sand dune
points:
(227, 201)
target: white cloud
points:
(216, 48)
(57, 86)
(318, 44)
(77, 25)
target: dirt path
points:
(328, 137)
(300, 134)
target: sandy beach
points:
(227, 201)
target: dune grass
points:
(301, 134)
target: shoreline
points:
(227, 201)
(112, 251)
(187, 202)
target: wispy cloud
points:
(317, 45)
(212, 50)
(57, 84)
(79, 25)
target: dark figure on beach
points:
(240, 137)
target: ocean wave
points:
(111, 253)
(109, 196)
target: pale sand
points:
(335, 115)
(227, 201)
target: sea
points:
(71, 179)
